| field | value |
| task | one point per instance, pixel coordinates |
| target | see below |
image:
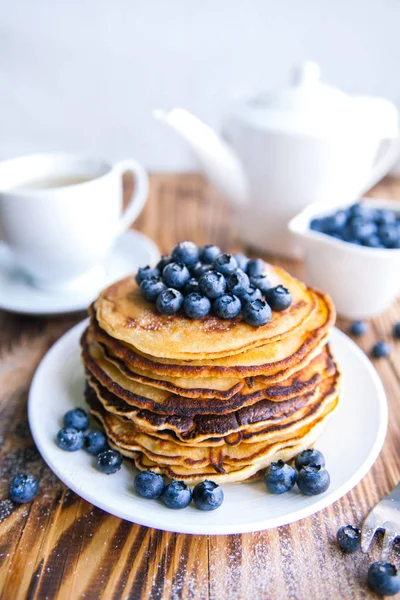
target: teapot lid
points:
(310, 107)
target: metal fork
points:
(386, 516)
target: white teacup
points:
(60, 214)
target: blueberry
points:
(383, 578)
(177, 495)
(279, 298)
(96, 442)
(169, 301)
(196, 306)
(109, 461)
(256, 313)
(227, 306)
(150, 288)
(388, 235)
(337, 221)
(148, 484)
(359, 210)
(207, 495)
(146, 273)
(250, 294)
(76, 418)
(380, 349)
(349, 538)
(186, 253)
(212, 284)
(175, 275)
(209, 253)
(373, 242)
(312, 480)
(358, 328)
(385, 217)
(241, 260)
(279, 477)
(191, 286)
(255, 266)
(238, 282)
(23, 488)
(225, 264)
(317, 224)
(199, 269)
(396, 330)
(70, 439)
(309, 457)
(261, 282)
(163, 262)
(362, 229)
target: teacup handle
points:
(139, 195)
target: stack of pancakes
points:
(210, 398)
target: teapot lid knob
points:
(307, 72)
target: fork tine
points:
(388, 539)
(368, 531)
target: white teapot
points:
(309, 142)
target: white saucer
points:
(131, 250)
(351, 443)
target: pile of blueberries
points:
(362, 225)
(309, 473)
(383, 577)
(201, 281)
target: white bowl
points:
(361, 281)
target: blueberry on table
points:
(383, 578)
(207, 495)
(186, 253)
(196, 306)
(227, 306)
(70, 439)
(169, 301)
(257, 313)
(396, 330)
(212, 284)
(309, 457)
(150, 288)
(261, 282)
(96, 442)
(191, 286)
(250, 294)
(313, 480)
(238, 282)
(76, 418)
(242, 261)
(279, 477)
(349, 538)
(148, 484)
(358, 328)
(279, 298)
(209, 253)
(109, 461)
(163, 262)
(255, 266)
(177, 495)
(175, 275)
(380, 349)
(225, 264)
(23, 488)
(146, 273)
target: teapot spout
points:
(219, 163)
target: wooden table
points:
(59, 546)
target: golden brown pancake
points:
(124, 314)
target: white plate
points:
(131, 250)
(350, 443)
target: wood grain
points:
(61, 547)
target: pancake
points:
(270, 360)
(124, 314)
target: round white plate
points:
(130, 251)
(359, 423)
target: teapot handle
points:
(383, 164)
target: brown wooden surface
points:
(59, 546)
